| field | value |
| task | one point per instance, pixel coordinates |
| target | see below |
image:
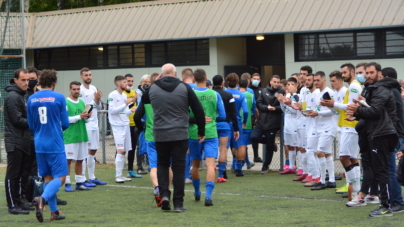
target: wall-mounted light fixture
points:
(100, 48)
(260, 37)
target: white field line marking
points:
(233, 194)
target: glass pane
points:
(202, 52)
(336, 45)
(395, 42)
(182, 52)
(96, 57)
(140, 55)
(125, 55)
(42, 59)
(59, 59)
(158, 54)
(112, 56)
(306, 47)
(79, 57)
(365, 44)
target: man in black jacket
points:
(256, 87)
(170, 99)
(224, 127)
(379, 127)
(17, 137)
(269, 120)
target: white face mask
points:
(127, 87)
(39, 88)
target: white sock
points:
(299, 157)
(84, 168)
(357, 184)
(330, 168)
(304, 163)
(351, 176)
(67, 181)
(317, 170)
(323, 169)
(292, 159)
(346, 178)
(118, 165)
(312, 164)
(91, 166)
(79, 178)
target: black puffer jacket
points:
(269, 119)
(16, 131)
(380, 118)
(396, 88)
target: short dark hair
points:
(153, 77)
(232, 80)
(74, 83)
(377, 66)
(276, 77)
(389, 72)
(284, 82)
(245, 76)
(217, 80)
(362, 64)
(320, 73)
(18, 71)
(187, 72)
(243, 83)
(337, 74)
(200, 75)
(32, 69)
(48, 78)
(306, 68)
(117, 79)
(85, 69)
(128, 75)
(349, 65)
(309, 74)
(292, 79)
(256, 74)
(295, 74)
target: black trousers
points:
(269, 140)
(27, 187)
(375, 165)
(134, 135)
(173, 152)
(18, 169)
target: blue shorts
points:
(142, 143)
(209, 147)
(235, 143)
(54, 165)
(223, 132)
(245, 138)
(151, 154)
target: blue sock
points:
(239, 165)
(209, 189)
(221, 168)
(51, 188)
(187, 164)
(52, 202)
(197, 185)
(287, 162)
(247, 160)
(234, 163)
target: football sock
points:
(357, 185)
(330, 169)
(247, 160)
(51, 188)
(187, 163)
(303, 162)
(221, 168)
(91, 166)
(84, 168)
(239, 165)
(118, 163)
(67, 181)
(197, 185)
(209, 189)
(323, 169)
(287, 161)
(292, 159)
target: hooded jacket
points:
(171, 99)
(268, 120)
(380, 118)
(16, 131)
(395, 86)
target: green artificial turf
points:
(252, 200)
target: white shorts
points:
(325, 143)
(122, 137)
(76, 151)
(301, 137)
(349, 144)
(93, 139)
(290, 139)
(312, 144)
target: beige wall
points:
(329, 66)
(230, 52)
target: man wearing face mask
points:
(144, 84)
(255, 86)
(269, 120)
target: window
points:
(182, 52)
(79, 57)
(58, 59)
(96, 57)
(395, 43)
(158, 54)
(125, 55)
(112, 56)
(140, 54)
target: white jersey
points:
(290, 122)
(325, 121)
(87, 95)
(301, 119)
(118, 111)
(310, 100)
(354, 91)
(339, 98)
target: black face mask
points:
(32, 84)
(146, 86)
